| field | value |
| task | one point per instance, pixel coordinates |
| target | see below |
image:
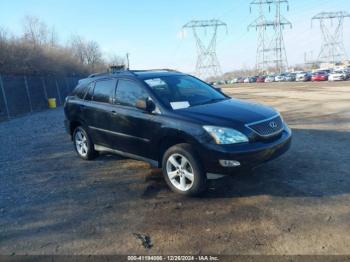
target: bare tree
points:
(87, 52)
(77, 46)
(53, 37)
(38, 52)
(35, 31)
(93, 54)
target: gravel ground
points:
(51, 202)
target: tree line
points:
(38, 51)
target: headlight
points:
(226, 136)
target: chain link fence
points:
(20, 95)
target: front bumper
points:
(248, 155)
(337, 78)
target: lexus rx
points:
(173, 121)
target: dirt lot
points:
(53, 203)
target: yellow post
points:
(52, 102)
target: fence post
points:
(58, 92)
(4, 95)
(28, 95)
(44, 87)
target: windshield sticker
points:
(180, 105)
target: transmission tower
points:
(271, 51)
(332, 50)
(205, 33)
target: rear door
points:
(99, 109)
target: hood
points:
(230, 113)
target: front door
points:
(133, 128)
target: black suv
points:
(173, 121)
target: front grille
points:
(267, 128)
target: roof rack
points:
(155, 70)
(133, 72)
(110, 73)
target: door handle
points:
(114, 112)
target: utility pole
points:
(332, 50)
(271, 51)
(207, 61)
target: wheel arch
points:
(73, 124)
(171, 139)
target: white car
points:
(338, 75)
(280, 78)
(270, 79)
(246, 80)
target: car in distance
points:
(175, 122)
(240, 80)
(270, 79)
(319, 76)
(260, 79)
(339, 75)
(251, 79)
(303, 77)
(280, 78)
(291, 77)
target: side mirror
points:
(146, 105)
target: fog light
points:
(229, 163)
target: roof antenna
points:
(127, 61)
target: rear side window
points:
(90, 92)
(104, 91)
(128, 92)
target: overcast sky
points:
(150, 30)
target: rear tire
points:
(183, 171)
(83, 144)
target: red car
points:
(261, 79)
(319, 76)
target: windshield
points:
(181, 91)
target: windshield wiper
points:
(212, 101)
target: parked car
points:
(269, 79)
(240, 80)
(280, 78)
(261, 79)
(339, 75)
(175, 122)
(251, 79)
(291, 77)
(319, 76)
(303, 77)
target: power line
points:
(207, 61)
(271, 51)
(332, 50)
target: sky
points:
(150, 30)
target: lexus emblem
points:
(273, 124)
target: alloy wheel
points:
(81, 143)
(180, 172)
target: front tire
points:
(83, 144)
(183, 171)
